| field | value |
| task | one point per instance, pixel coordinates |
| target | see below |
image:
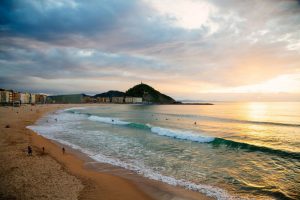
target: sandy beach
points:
(54, 175)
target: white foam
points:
(108, 120)
(180, 134)
(75, 108)
(139, 168)
(42, 130)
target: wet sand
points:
(54, 175)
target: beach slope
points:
(49, 175)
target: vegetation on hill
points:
(110, 94)
(149, 94)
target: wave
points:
(230, 120)
(182, 135)
(108, 120)
(139, 168)
(75, 108)
(250, 147)
(271, 191)
(215, 141)
(197, 137)
(177, 134)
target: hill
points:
(110, 94)
(149, 94)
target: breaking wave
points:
(177, 134)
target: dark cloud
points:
(114, 41)
(109, 24)
(53, 19)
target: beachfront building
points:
(9, 97)
(107, 100)
(40, 98)
(6, 96)
(103, 100)
(16, 99)
(32, 99)
(117, 99)
(16, 96)
(25, 98)
(99, 100)
(137, 100)
(88, 99)
(70, 98)
(133, 99)
(128, 99)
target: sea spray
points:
(182, 135)
(177, 134)
(107, 120)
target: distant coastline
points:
(139, 94)
(204, 104)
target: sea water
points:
(226, 150)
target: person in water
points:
(29, 150)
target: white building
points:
(32, 98)
(6, 96)
(128, 99)
(25, 98)
(137, 100)
(117, 99)
(133, 100)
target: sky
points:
(189, 49)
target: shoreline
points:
(96, 182)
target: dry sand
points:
(53, 175)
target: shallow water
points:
(234, 150)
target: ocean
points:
(245, 150)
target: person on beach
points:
(29, 150)
(43, 150)
(63, 150)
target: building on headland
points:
(102, 100)
(128, 100)
(137, 100)
(133, 100)
(88, 99)
(117, 99)
(69, 98)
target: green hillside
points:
(149, 94)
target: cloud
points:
(226, 45)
